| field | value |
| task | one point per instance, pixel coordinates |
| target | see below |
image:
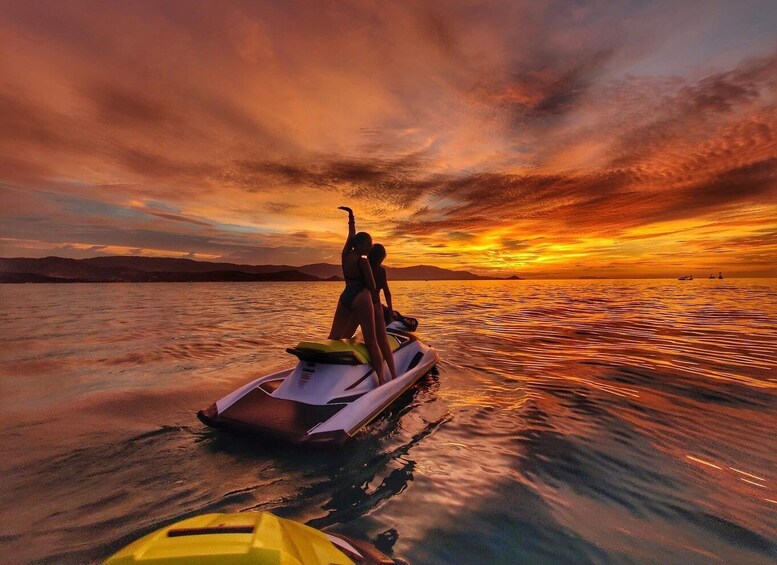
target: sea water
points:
(570, 421)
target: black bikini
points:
(353, 286)
(350, 293)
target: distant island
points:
(161, 269)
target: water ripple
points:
(571, 421)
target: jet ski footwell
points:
(259, 412)
(327, 398)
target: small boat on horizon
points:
(686, 278)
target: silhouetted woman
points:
(356, 300)
(376, 256)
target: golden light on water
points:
(748, 474)
(748, 478)
(633, 416)
(703, 462)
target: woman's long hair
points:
(360, 239)
(376, 255)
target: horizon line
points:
(455, 269)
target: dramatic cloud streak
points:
(545, 139)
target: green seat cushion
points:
(344, 346)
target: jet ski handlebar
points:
(407, 323)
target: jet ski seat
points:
(337, 351)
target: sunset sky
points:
(544, 139)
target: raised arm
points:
(351, 229)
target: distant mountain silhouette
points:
(172, 265)
(417, 273)
(161, 269)
(31, 278)
(430, 273)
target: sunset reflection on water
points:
(571, 421)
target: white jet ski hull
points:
(319, 401)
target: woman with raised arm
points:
(376, 256)
(356, 300)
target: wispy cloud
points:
(515, 136)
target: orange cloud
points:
(503, 137)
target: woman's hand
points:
(351, 228)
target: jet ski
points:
(330, 394)
(246, 537)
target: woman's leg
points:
(342, 317)
(362, 305)
(382, 337)
(350, 326)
